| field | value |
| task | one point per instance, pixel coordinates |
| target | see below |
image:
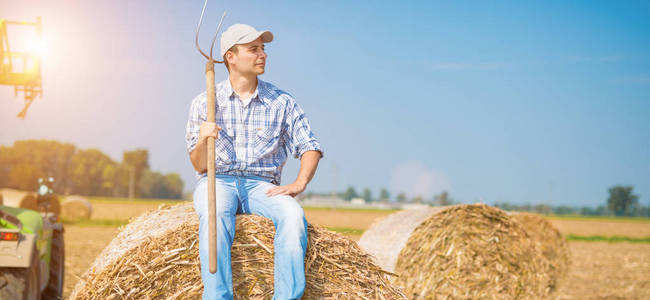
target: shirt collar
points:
(260, 90)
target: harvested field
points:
(589, 227)
(597, 271)
(608, 271)
(334, 266)
(82, 245)
(357, 219)
(120, 211)
(328, 217)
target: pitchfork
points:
(209, 80)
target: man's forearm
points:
(308, 165)
(199, 156)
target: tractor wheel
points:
(21, 283)
(54, 288)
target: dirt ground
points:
(598, 270)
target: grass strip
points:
(346, 230)
(599, 218)
(111, 200)
(96, 222)
(354, 209)
(609, 239)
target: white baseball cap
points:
(242, 34)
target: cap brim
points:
(266, 35)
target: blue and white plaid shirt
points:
(255, 134)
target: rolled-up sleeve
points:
(299, 135)
(195, 119)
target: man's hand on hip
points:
(292, 190)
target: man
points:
(256, 123)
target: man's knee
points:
(292, 220)
(291, 210)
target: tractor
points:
(32, 249)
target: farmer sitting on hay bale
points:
(256, 123)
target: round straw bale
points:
(156, 257)
(55, 206)
(22, 199)
(553, 245)
(471, 252)
(387, 236)
(76, 208)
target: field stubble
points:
(598, 270)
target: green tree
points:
(174, 186)
(151, 184)
(27, 160)
(157, 185)
(367, 195)
(622, 201)
(24, 177)
(138, 160)
(109, 179)
(6, 164)
(350, 193)
(401, 197)
(442, 199)
(88, 172)
(384, 195)
(121, 183)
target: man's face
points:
(250, 58)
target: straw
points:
(156, 257)
(553, 245)
(472, 252)
(76, 208)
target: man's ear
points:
(230, 57)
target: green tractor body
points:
(31, 254)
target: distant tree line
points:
(87, 172)
(621, 202)
(384, 196)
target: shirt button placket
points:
(240, 136)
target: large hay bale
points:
(16, 198)
(55, 206)
(553, 245)
(156, 257)
(76, 208)
(387, 236)
(472, 252)
(24, 199)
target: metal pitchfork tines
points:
(209, 80)
(214, 38)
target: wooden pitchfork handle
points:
(212, 201)
(210, 90)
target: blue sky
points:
(525, 102)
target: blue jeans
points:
(246, 195)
